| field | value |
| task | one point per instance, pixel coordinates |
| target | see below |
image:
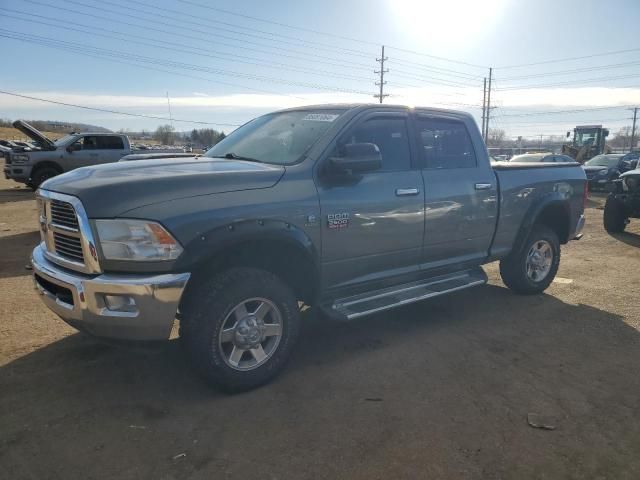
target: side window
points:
(445, 143)
(88, 142)
(110, 143)
(391, 137)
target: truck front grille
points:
(68, 246)
(65, 232)
(64, 215)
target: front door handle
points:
(483, 186)
(404, 192)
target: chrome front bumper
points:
(127, 307)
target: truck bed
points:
(520, 191)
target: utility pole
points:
(540, 145)
(633, 129)
(169, 104)
(382, 71)
(484, 105)
(488, 109)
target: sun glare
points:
(445, 23)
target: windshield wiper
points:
(233, 156)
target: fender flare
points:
(208, 245)
(553, 199)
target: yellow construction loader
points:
(588, 141)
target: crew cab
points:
(350, 209)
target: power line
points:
(555, 112)
(192, 50)
(280, 24)
(84, 107)
(305, 56)
(434, 69)
(79, 48)
(237, 29)
(573, 82)
(567, 59)
(577, 70)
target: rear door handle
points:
(404, 192)
(483, 186)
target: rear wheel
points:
(614, 218)
(532, 269)
(239, 327)
(41, 175)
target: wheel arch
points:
(276, 246)
(46, 164)
(553, 211)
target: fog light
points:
(119, 303)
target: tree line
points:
(203, 137)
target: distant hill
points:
(57, 126)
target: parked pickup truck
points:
(350, 209)
(34, 166)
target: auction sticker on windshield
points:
(321, 117)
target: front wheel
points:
(532, 269)
(41, 175)
(239, 327)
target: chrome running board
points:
(356, 306)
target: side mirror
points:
(568, 134)
(74, 147)
(357, 158)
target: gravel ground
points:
(439, 389)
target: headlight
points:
(19, 158)
(632, 182)
(138, 240)
(603, 172)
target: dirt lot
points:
(440, 389)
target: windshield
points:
(527, 158)
(586, 137)
(278, 138)
(604, 161)
(63, 140)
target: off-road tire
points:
(204, 310)
(614, 218)
(40, 175)
(513, 269)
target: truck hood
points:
(630, 173)
(595, 168)
(112, 189)
(33, 134)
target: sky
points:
(224, 62)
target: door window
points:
(445, 143)
(89, 142)
(106, 142)
(391, 137)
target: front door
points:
(372, 226)
(97, 149)
(460, 193)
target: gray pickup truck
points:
(350, 209)
(32, 166)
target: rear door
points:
(460, 191)
(373, 224)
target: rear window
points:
(110, 143)
(445, 143)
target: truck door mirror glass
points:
(357, 158)
(74, 147)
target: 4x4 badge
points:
(337, 220)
